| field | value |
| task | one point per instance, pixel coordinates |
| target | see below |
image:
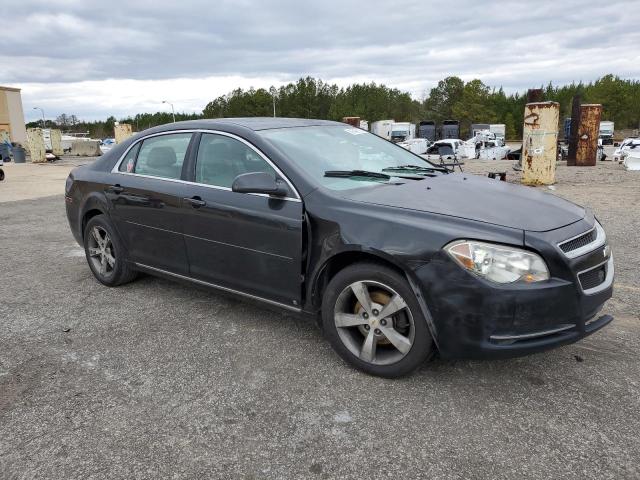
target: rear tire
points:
(105, 253)
(372, 319)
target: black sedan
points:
(396, 258)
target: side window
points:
(221, 159)
(162, 156)
(129, 160)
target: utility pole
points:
(44, 122)
(173, 112)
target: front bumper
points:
(474, 318)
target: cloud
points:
(98, 58)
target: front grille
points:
(592, 278)
(579, 242)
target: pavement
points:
(36, 180)
(160, 380)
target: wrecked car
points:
(396, 258)
(626, 146)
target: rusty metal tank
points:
(588, 132)
(540, 143)
(353, 121)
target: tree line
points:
(451, 99)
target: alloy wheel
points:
(374, 322)
(101, 253)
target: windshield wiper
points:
(406, 168)
(355, 173)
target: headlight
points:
(498, 263)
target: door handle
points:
(196, 202)
(115, 189)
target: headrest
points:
(218, 150)
(161, 157)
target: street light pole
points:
(272, 90)
(44, 122)
(173, 112)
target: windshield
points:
(337, 148)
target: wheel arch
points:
(343, 258)
(93, 206)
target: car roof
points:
(252, 123)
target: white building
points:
(11, 115)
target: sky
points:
(100, 58)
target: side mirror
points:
(259, 182)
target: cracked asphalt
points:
(160, 380)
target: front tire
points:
(373, 321)
(105, 253)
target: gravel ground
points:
(158, 380)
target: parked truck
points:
(450, 129)
(402, 131)
(606, 132)
(427, 130)
(476, 128)
(500, 129)
(382, 128)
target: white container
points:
(382, 128)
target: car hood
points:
(475, 198)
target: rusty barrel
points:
(588, 132)
(540, 143)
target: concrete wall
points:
(540, 143)
(35, 145)
(56, 142)
(86, 148)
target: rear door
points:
(246, 242)
(146, 200)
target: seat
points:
(162, 162)
(216, 165)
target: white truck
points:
(606, 132)
(382, 128)
(402, 131)
(499, 129)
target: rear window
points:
(129, 160)
(162, 156)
